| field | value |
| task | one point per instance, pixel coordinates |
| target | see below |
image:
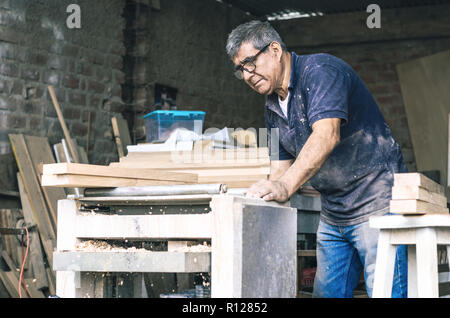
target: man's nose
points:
(247, 76)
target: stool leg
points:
(384, 268)
(412, 272)
(427, 268)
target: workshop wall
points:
(37, 48)
(182, 45)
(405, 34)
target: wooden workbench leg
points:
(67, 282)
(427, 268)
(384, 268)
(226, 249)
(412, 271)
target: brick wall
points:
(182, 45)
(405, 34)
(84, 65)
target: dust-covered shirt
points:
(355, 181)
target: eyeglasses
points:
(248, 64)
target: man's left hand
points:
(269, 190)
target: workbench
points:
(253, 243)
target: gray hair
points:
(255, 32)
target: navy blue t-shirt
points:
(355, 181)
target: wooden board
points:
(121, 134)
(418, 193)
(41, 153)
(80, 181)
(169, 165)
(415, 207)
(107, 171)
(36, 256)
(35, 196)
(424, 83)
(419, 180)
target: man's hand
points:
(269, 190)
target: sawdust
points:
(205, 247)
(102, 246)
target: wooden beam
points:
(107, 171)
(80, 181)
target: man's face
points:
(265, 76)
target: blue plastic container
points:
(160, 123)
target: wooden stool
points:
(422, 234)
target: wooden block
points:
(415, 207)
(418, 193)
(107, 171)
(81, 181)
(417, 179)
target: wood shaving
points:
(101, 246)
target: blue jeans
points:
(343, 251)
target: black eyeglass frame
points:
(248, 64)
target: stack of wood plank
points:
(414, 193)
(238, 168)
(39, 209)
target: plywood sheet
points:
(425, 86)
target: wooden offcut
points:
(418, 179)
(415, 207)
(418, 193)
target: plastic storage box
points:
(160, 123)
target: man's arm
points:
(324, 138)
(321, 142)
(278, 168)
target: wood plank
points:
(419, 180)
(424, 83)
(107, 171)
(169, 165)
(70, 144)
(415, 207)
(36, 256)
(34, 192)
(121, 134)
(81, 181)
(41, 153)
(418, 193)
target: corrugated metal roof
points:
(267, 8)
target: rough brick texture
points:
(182, 45)
(84, 65)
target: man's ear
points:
(276, 49)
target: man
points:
(333, 135)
